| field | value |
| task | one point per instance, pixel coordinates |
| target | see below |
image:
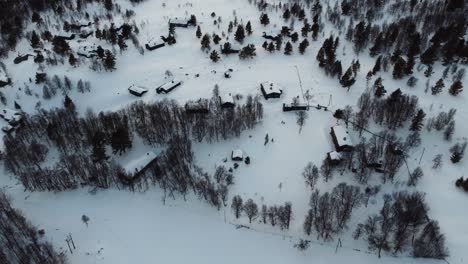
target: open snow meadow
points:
(322, 132)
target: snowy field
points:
(129, 227)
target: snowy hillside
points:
(133, 134)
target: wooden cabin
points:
(71, 37)
(227, 101)
(295, 107)
(137, 90)
(139, 166)
(334, 158)
(227, 49)
(270, 90)
(153, 44)
(87, 51)
(85, 34)
(237, 155)
(169, 86)
(184, 23)
(271, 35)
(78, 27)
(22, 58)
(341, 138)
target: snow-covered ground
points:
(138, 228)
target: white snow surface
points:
(130, 227)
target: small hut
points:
(137, 90)
(237, 155)
(154, 43)
(270, 90)
(169, 86)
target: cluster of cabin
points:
(155, 43)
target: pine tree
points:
(108, 4)
(288, 48)
(68, 104)
(205, 42)
(120, 140)
(294, 37)
(198, 33)
(214, 56)
(429, 56)
(109, 61)
(216, 39)
(248, 28)
(417, 122)
(98, 148)
(437, 88)
(377, 65)
(347, 80)
(271, 47)
(399, 68)
(240, 34)
(35, 40)
(456, 88)
(379, 88)
(286, 14)
(264, 19)
(303, 46)
(72, 59)
(60, 46)
(428, 72)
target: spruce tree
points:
(216, 39)
(68, 103)
(417, 122)
(428, 72)
(35, 40)
(377, 65)
(98, 153)
(399, 68)
(379, 88)
(347, 80)
(109, 61)
(214, 56)
(437, 88)
(288, 48)
(120, 140)
(198, 33)
(240, 34)
(264, 19)
(248, 28)
(456, 88)
(72, 59)
(303, 46)
(271, 47)
(205, 42)
(286, 14)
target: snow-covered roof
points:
(3, 76)
(87, 50)
(342, 136)
(271, 88)
(10, 115)
(170, 84)
(179, 20)
(334, 155)
(137, 89)
(155, 42)
(272, 32)
(237, 154)
(140, 163)
(227, 99)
